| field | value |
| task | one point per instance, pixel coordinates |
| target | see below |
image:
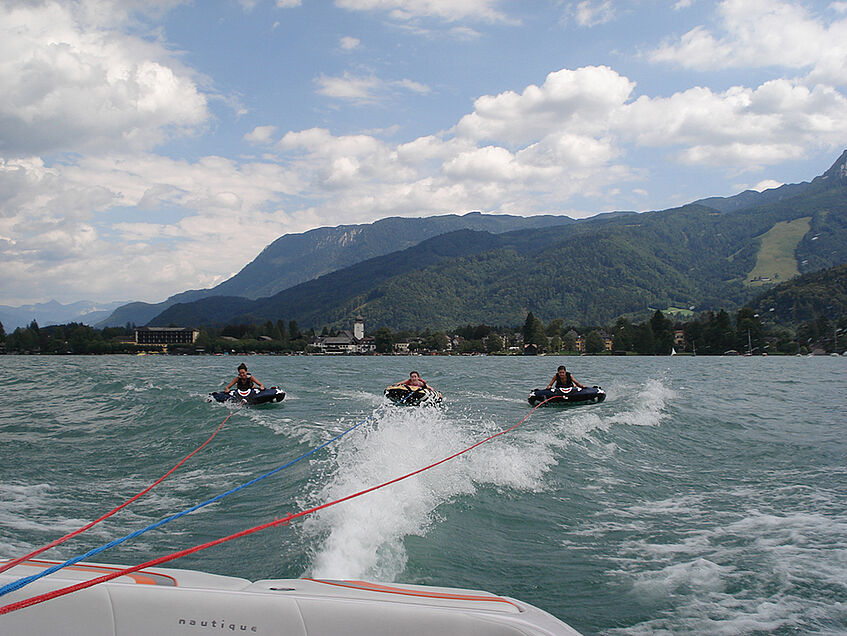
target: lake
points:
(705, 495)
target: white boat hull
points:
(164, 601)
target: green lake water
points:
(706, 495)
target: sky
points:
(148, 147)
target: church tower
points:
(359, 328)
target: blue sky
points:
(149, 147)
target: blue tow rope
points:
(16, 585)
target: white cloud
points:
(747, 155)
(741, 126)
(69, 84)
(592, 12)
(430, 148)
(349, 43)
(365, 89)
(526, 152)
(448, 10)
(335, 164)
(412, 86)
(767, 184)
(765, 33)
(91, 224)
(288, 4)
(465, 32)
(582, 99)
(358, 89)
(491, 164)
(260, 135)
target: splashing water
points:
(364, 538)
(700, 497)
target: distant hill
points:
(313, 297)
(584, 272)
(587, 272)
(139, 313)
(55, 313)
(822, 293)
(751, 198)
(296, 258)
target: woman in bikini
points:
(244, 380)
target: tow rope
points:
(19, 583)
(5, 609)
(70, 535)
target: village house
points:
(347, 342)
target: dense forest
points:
(72, 338)
(805, 298)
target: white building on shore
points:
(346, 342)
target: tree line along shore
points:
(708, 333)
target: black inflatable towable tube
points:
(412, 395)
(569, 396)
(251, 396)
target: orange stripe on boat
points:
(141, 577)
(375, 587)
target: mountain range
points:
(54, 313)
(697, 256)
(442, 271)
(296, 258)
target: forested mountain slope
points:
(296, 258)
(587, 272)
(805, 298)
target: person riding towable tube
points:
(415, 381)
(244, 380)
(564, 380)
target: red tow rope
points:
(56, 542)
(270, 524)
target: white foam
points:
(699, 576)
(21, 508)
(363, 538)
(372, 399)
(648, 408)
(625, 406)
(134, 388)
(734, 572)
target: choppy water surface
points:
(706, 495)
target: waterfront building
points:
(165, 336)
